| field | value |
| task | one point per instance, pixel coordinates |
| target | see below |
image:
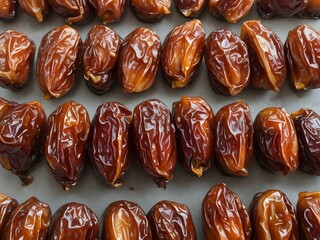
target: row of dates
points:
(158, 138)
(224, 216)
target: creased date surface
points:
(7, 205)
(109, 10)
(37, 9)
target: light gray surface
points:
(184, 188)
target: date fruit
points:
(284, 8)
(303, 57)
(7, 206)
(224, 216)
(74, 221)
(139, 60)
(108, 144)
(37, 9)
(58, 61)
(126, 221)
(312, 10)
(190, 8)
(231, 11)
(150, 10)
(5, 105)
(109, 10)
(273, 217)
(99, 59)
(182, 53)
(227, 61)
(307, 125)
(154, 138)
(8, 9)
(16, 58)
(233, 129)
(266, 54)
(65, 144)
(22, 129)
(275, 138)
(171, 221)
(29, 221)
(193, 119)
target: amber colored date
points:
(108, 144)
(193, 119)
(109, 10)
(312, 10)
(125, 220)
(224, 216)
(227, 61)
(58, 61)
(190, 8)
(275, 139)
(273, 217)
(303, 57)
(99, 59)
(171, 221)
(150, 10)
(139, 60)
(154, 138)
(8, 9)
(266, 53)
(284, 8)
(29, 221)
(7, 206)
(74, 221)
(182, 53)
(37, 9)
(16, 58)
(233, 129)
(5, 105)
(65, 144)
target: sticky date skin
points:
(224, 216)
(190, 8)
(109, 10)
(7, 206)
(150, 10)
(284, 8)
(8, 9)
(108, 144)
(37, 9)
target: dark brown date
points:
(284, 8)
(37, 9)
(6, 105)
(190, 8)
(231, 11)
(266, 53)
(139, 60)
(58, 61)
(29, 221)
(308, 214)
(273, 217)
(307, 124)
(312, 10)
(171, 221)
(74, 221)
(150, 11)
(233, 129)
(65, 145)
(154, 138)
(276, 143)
(125, 220)
(182, 53)
(193, 119)
(7, 206)
(100, 55)
(22, 129)
(109, 10)
(108, 144)
(227, 61)
(8, 9)
(224, 216)
(303, 57)
(16, 58)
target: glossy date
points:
(190, 8)
(109, 10)
(312, 10)
(284, 8)
(7, 206)
(37, 9)
(150, 10)
(8, 9)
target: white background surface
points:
(184, 187)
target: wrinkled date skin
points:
(150, 10)
(16, 58)
(233, 129)
(224, 216)
(154, 138)
(284, 8)
(6, 105)
(312, 10)
(99, 59)
(37, 9)
(193, 119)
(190, 8)
(303, 57)
(7, 206)
(65, 145)
(29, 221)
(108, 144)
(273, 217)
(308, 213)
(22, 128)
(182, 53)
(307, 124)
(58, 61)
(8, 9)
(266, 53)
(125, 220)
(74, 221)
(171, 221)
(227, 61)
(276, 143)
(109, 10)
(231, 11)
(73, 11)
(139, 60)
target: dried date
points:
(190, 8)
(8, 9)
(7, 206)
(284, 8)
(311, 11)
(109, 10)
(37, 9)
(150, 11)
